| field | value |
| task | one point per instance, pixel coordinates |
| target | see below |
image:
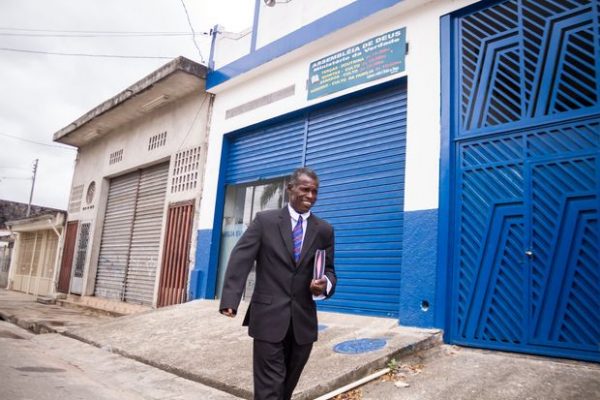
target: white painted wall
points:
(230, 46)
(278, 21)
(185, 121)
(274, 23)
(422, 22)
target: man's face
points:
(303, 194)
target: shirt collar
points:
(294, 214)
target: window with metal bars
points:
(115, 157)
(82, 246)
(185, 170)
(157, 141)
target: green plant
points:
(393, 365)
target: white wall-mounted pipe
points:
(354, 384)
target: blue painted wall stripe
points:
(341, 18)
(201, 266)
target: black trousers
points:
(278, 366)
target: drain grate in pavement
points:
(358, 346)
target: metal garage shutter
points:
(358, 150)
(116, 236)
(131, 235)
(266, 153)
(145, 236)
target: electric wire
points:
(56, 53)
(14, 177)
(38, 143)
(193, 32)
(101, 32)
(96, 35)
(193, 122)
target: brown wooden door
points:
(175, 260)
(67, 257)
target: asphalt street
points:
(55, 367)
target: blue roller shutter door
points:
(358, 148)
(270, 152)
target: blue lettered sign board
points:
(372, 59)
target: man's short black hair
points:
(302, 171)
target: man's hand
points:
(318, 286)
(228, 312)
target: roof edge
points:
(55, 218)
(177, 64)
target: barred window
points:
(115, 157)
(157, 141)
(185, 170)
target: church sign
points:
(372, 59)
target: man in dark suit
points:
(282, 316)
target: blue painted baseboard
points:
(198, 286)
(419, 267)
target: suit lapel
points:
(285, 228)
(309, 237)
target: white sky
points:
(43, 93)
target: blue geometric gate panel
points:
(527, 59)
(491, 281)
(565, 272)
(525, 267)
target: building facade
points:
(457, 144)
(136, 189)
(33, 265)
(27, 229)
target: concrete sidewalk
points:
(460, 373)
(194, 341)
(23, 310)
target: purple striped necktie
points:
(297, 238)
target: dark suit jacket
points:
(282, 291)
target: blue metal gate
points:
(525, 259)
(357, 145)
